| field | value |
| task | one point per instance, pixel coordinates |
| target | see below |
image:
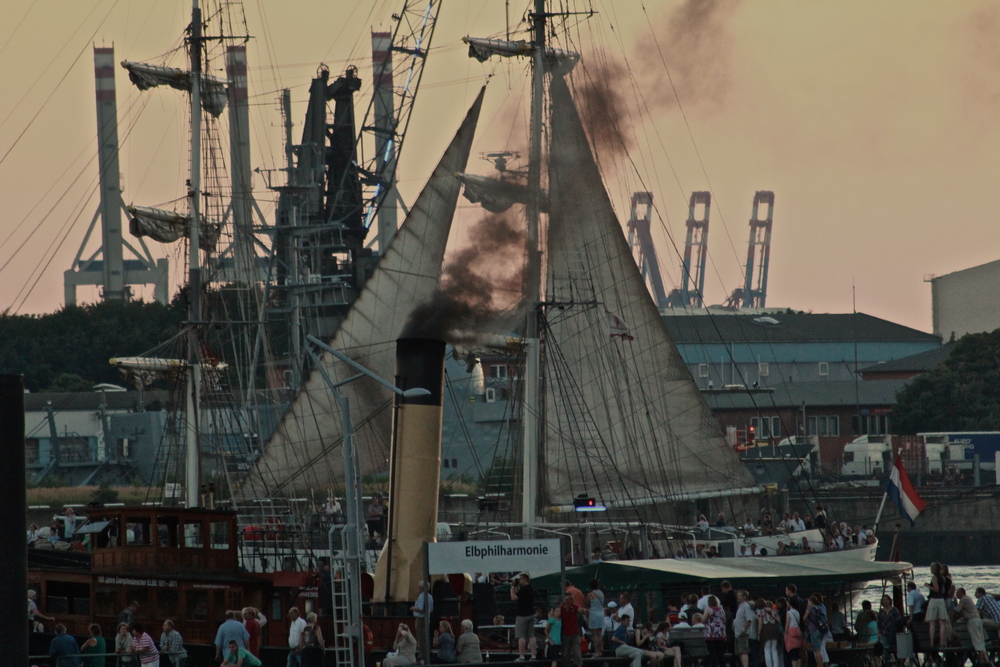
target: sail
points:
(213, 90)
(304, 451)
(624, 421)
(169, 226)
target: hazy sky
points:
(874, 123)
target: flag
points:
(618, 327)
(902, 493)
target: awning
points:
(91, 528)
(831, 568)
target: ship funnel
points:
(414, 468)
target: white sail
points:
(304, 451)
(623, 420)
(169, 226)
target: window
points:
(167, 603)
(498, 371)
(766, 427)
(824, 368)
(445, 463)
(833, 425)
(703, 370)
(491, 395)
(870, 424)
(137, 531)
(196, 608)
(220, 534)
(763, 369)
(848, 457)
(166, 531)
(31, 452)
(454, 463)
(193, 538)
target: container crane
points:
(695, 252)
(641, 241)
(751, 296)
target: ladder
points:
(346, 642)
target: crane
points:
(751, 296)
(695, 252)
(641, 241)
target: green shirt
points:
(249, 659)
(99, 647)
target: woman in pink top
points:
(143, 646)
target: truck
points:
(962, 446)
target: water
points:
(968, 577)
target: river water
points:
(969, 577)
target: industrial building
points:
(966, 301)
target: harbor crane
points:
(751, 295)
(692, 287)
(641, 241)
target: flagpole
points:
(880, 508)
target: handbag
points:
(793, 638)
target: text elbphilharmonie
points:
(500, 550)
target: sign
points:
(135, 581)
(536, 557)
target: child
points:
(553, 634)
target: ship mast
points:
(532, 365)
(192, 467)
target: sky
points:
(873, 123)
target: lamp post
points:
(353, 539)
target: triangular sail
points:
(304, 451)
(624, 421)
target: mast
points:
(532, 366)
(192, 467)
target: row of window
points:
(764, 369)
(821, 425)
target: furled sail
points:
(304, 451)
(169, 226)
(213, 91)
(624, 421)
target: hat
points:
(612, 605)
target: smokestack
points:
(415, 469)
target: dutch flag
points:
(902, 493)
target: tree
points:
(70, 382)
(962, 394)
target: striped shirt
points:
(141, 644)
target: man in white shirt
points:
(796, 524)
(915, 601)
(703, 600)
(745, 617)
(624, 607)
(296, 624)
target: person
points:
(143, 646)
(405, 647)
(624, 606)
(172, 644)
(239, 657)
(989, 609)
(838, 624)
(34, 625)
(230, 629)
(444, 642)
(296, 624)
(706, 593)
(524, 622)
(553, 634)
(915, 603)
(95, 644)
(620, 642)
(312, 644)
(766, 525)
(702, 524)
(578, 558)
(818, 627)
(742, 623)
(783, 525)
(64, 645)
(794, 642)
(807, 520)
(806, 547)
(796, 524)
(663, 645)
(937, 614)
(596, 556)
(576, 593)
(720, 521)
(866, 624)
(422, 610)
(571, 651)
(123, 646)
(715, 631)
(127, 615)
(595, 618)
(819, 518)
(949, 604)
(252, 625)
(748, 527)
(965, 609)
(728, 598)
(375, 516)
(467, 646)
(769, 632)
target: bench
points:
(692, 642)
(953, 656)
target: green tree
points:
(70, 382)
(962, 394)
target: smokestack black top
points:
(420, 364)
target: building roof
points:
(91, 400)
(789, 327)
(917, 363)
(812, 394)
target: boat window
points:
(166, 531)
(167, 603)
(196, 608)
(106, 601)
(140, 595)
(276, 607)
(137, 531)
(220, 534)
(193, 537)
